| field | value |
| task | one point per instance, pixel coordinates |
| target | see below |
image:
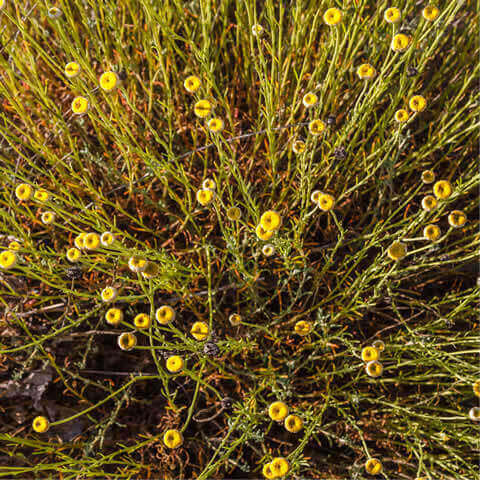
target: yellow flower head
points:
(401, 116)
(141, 321)
(474, 414)
(234, 213)
(325, 202)
(192, 83)
(151, 270)
(40, 424)
(268, 250)
(373, 466)
(263, 234)
(113, 316)
(209, 184)
(374, 369)
(172, 438)
(73, 254)
(392, 15)
(428, 176)
(303, 328)
(91, 241)
(48, 217)
(476, 388)
(107, 239)
(366, 71)
(137, 264)
(430, 13)
(280, 466)
(165, 314)
(333, 16)
(202, 108)
(442, 189)
(298, 146)
(205, 196)
(369, 354)
(127, 340)
(72, 69)
(108, 81)
(293, 423)
(397, 251)
(429, 203)
(315, 196)
(175, 363)
(14, 245)
(310, 99)
(109, 294)
(379, 345)
(316, 127)
(80, 240)
(257, 30)
(278, 411)
(8, 259)
(41, 195)
(400, 42)
(54, 12)
(235, 319)
(23, 191)
(417, 103)
(199, 331)
(267, 471)
(457, 219)
(271, 221)
(215, 125)
(431, 232)
(80, 105)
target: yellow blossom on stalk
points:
(202, 108)
(400, 42)
(474, 414)
(40, 424)
(8, 259)
(209, 183)
(263, 234)
(267, 471)
(401, 116)
(429, 203)
(192, 83)
(80, 105)
(14, 245)
(79, 240)
(141, 321)
(205, 196)
(48, 217)
(431, 232)
(332, 16)
(73, 254)
(379, 345)
(54, 12)
(298, 146)
(280, 466)
(257, 30)
(373, 466)
(430, 13)
(315, 196)
(91, 241)
(108, 81)
(107, 239)
(234, 213)
(476, 388)
(165, 314)
(428, 176)
(270, 220)
(151, 270)
(374, 369)
(215, 125)
(366, 71)
(278, 411)
(199, 331)
(127, 340)
(268, 250)
(369, 354)
(41, 195)
(175, 363)
(303, 327)
(72, 69)
(392, 15)
(310, 99)
(457, 219)
(109, 294)
(137, 264)
(325, 202)
(293, 423)
(235, 319)
(397, 251)
(113, 316)
(316, 127)
(442, 189)
(172, 438)
(23, 191)
(417, 103)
